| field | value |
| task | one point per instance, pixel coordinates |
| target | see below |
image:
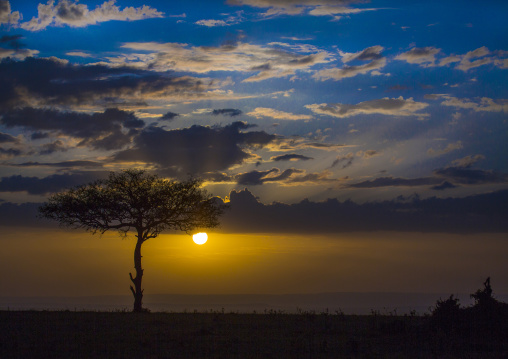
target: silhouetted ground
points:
(65, 334)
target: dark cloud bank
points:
(474, 214)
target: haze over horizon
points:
(361, 145)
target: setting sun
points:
(200, 238)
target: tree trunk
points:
(136, 290)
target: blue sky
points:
(296, 99)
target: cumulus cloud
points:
(385, 106)
(70, 13)
(486, 213)
(195, 150)
(423, 56)
(7, 16)
(111, 129)
(260, 112)
(373, 56)
(263, 62)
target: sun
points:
(200, 238)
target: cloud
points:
(73, 14)
(6, 14)
(483, 104)
(444, 186)
(111, 129)
(298, 7)
(50, 148)
(330, 10)
(49, 184)
(394, 181)
(232, 112)
(63, 164)
(288, 177)
(290, 157)
(293, 143)
(372, 54)
(260, 112)
(195, 150)
(450, 147)
(423, 56)
(467, 161)
(469, 176)
(385, 106)
(485, 213)
(169, 116)
(78, 54)
(426, 57)
(345, 161)
(5, 137)
(38, 82)
(14, 48)
(253, 178)
(230, 20)
(9, 152)
(263, 61)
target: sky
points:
(361, 145)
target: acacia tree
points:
(135, 201)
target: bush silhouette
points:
(481, 327)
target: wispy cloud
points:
(450, 147)
(261, 112)
(427, 57)
(484, 104)
(7, 16)
(298, 7)
(230, 20)
(385, 106)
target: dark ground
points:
(66, 334)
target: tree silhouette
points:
(135, 201)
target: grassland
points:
(67, 334)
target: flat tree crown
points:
(135, 200)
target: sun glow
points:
(200, 238)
